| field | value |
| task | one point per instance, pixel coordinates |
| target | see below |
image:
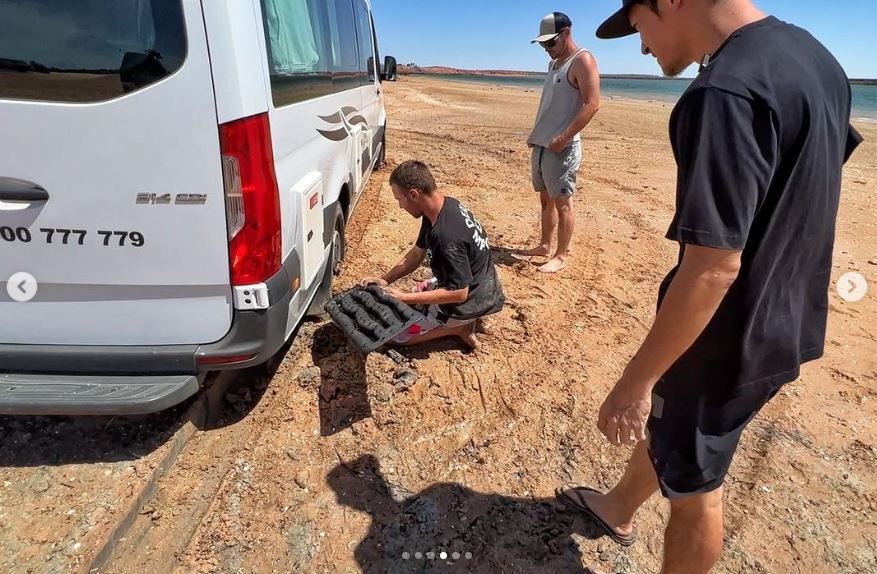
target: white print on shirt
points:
(478, 231)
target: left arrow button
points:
(22, 287)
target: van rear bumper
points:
(92, 380)
(257, 333)
(93, 395)
(53, 380)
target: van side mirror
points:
(389, 72)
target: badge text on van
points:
(165, 199)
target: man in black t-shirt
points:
(465, 285)
(760, 138)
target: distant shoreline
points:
(864, 103)
(410, 70)
(407, 70)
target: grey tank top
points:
(559, 105)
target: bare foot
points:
(467, 335)
(541, 251)
(597, 503)
(470, 340)
(483, 326)
(554, 265)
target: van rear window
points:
(87, 50)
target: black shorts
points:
(693, 437)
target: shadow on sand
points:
(451, 528)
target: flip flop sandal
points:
(568, 494)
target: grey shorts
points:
(555, 173)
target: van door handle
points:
(12, 189)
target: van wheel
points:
(333, 268)
(339, 246)
(382, 156)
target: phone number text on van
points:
(59, 236)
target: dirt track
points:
(341, 465)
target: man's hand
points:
(697, 290)
(624, 413)
(395, 293)
(372, 281)
(559, 143)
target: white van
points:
(175, 178)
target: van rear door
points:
(112, 215)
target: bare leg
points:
(693, 539)
(567, 220)
(466, 333)
(549, 225)
(619, 506)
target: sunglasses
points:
(552, 42)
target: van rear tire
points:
(333, 267)
(382, 156)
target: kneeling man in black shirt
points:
(465, 285)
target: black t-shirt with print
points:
(459, 256)
(760, 138)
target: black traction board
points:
(370, 317)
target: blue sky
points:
(495, 34)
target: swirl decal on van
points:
(347, 117)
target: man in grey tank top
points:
(570, 99)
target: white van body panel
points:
(236, 48)
(128, 327)
(93, 160)
(316, 137)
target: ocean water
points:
(865, 102)
(665, 90)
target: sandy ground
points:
(381, 465)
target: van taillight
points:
(251, 200)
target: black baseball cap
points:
(618, 24)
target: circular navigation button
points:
(852, 287)
(22, 287)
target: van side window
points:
(312, 49)
(366, 48)
(88, 50)
(345, 69)
(380, 64)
